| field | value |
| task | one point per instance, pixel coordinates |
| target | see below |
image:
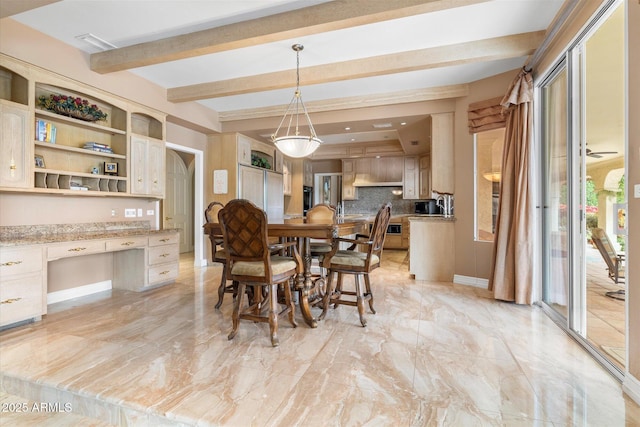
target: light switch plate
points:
(636, 191)
(129, 213)
(150, 211)
(139, 211)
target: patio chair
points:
(614, 260)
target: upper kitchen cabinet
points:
(425, 177)
(148, 154)
(16, 150)
(411, 178)
(307, 179)
(349, 191)
(442, 165)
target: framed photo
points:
(39, 161)
(110, 168)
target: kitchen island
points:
(432, 247)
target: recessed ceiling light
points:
(96, 41)
(347, 128)
(353, 139)
(382, 125)
(403, 123)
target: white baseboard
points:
(80, 291)
(631, 386)
(471, 281)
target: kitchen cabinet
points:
(251, 185)
(244, 150)
(442, 151)
(411, 178)
(286, 177)
(308, 173)
(16, 152)
(432, 253)
(349, 191)
(425, 177)
(22, 290)
(264, 188)
(147, 166)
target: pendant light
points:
(292, 144)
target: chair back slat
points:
(245, 231)
(379, 229)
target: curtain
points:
(485, 115)
(512, 269)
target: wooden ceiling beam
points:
(335, 15)
(443, 56)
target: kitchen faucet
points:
(445, 202)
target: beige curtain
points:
(511, 277)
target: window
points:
(488, 155)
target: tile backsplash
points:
(370, 199)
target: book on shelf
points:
(45, 131)
(94, 146)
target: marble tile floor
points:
(435, 354)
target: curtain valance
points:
(486, 115)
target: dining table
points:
(303, 231)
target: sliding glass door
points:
(582, 185)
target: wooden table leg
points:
(305, 285)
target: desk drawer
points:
(163, 273)
(19, 261)
(71, 249)
(163, 239)
(126, 243)
(162, 254)
(20, 299)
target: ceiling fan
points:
(599, 154)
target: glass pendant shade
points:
(292, 144)
(297, 146)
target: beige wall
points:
(473, 258)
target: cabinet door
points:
(275, 196)
(349, 192)
(251, 185)
(425, 177)
(147, 166)
(244, 150)
(286, 177)
(308, 173)
(138, 165)
(411, 178)
(156, 157)
(442, 167)
(15, 150)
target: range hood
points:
(363, 180)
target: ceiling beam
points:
(335, 15)
(408, 96)
(13, 7)
(442, 56)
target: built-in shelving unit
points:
(120, 155)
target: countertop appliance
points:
(428, 207)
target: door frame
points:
(199, 259)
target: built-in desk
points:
(143, 259)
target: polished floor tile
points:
(435, 354)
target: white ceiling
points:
(126, 23)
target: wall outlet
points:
(129, 213)
(113, 212)
(140, 212)
(150, 212)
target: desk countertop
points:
(57, 233)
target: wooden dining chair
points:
(357, 263)
(251, 263)
(219, 254)
(321, 214)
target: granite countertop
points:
(56, 233)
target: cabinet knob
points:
(168, 218)
(10, 300)
(10, 263)
(139, 179)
